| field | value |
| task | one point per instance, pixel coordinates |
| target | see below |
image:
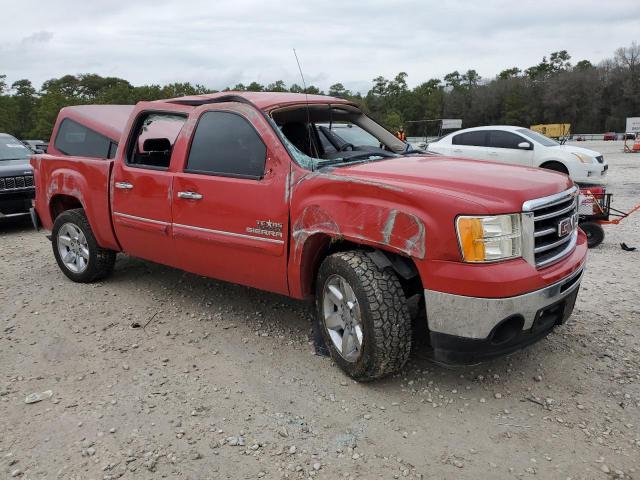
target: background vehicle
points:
(16, 177)
(609, 136)
(36, 146)
(553, 130)
(259, 189)
(521, 146)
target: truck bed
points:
(61, 180)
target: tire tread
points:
(388, 310)
(104, 259)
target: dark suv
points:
(16, 177)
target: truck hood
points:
(496, 187)
(15, 168)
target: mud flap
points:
(35, 219)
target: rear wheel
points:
(594, 232)
(363, 316)
(76, 250)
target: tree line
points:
(592, 98)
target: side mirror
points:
(525, 146)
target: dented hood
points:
(494, 186)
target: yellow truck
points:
(553, 130)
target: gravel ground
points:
(157, 373)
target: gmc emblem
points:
(565, 227)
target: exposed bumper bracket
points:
(475, 318)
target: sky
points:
(219, 43)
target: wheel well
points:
(62, 203)
(556, 166)
(320, 246)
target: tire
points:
(377, 316)
(594, 232)
(84, 261)
(555, 167)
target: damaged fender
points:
(362, 218)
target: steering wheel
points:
(344, 146)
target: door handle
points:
(124, 185)
(457, 150)
(190, 195)
(493, 154)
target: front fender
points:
(380, 226)
(358, 211)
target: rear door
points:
(230, 202)
(141, 187)
(502, 146)
(471, 144)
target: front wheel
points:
(76, 250)
(363, 316)
(594, 232)
(555, 167)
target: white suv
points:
(521, 146)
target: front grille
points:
(16, 183)
(555, 223)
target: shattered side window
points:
(300, 158)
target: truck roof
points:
(262, 100)
(109, 120)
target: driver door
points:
(230, 207)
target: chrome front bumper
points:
(476, 318)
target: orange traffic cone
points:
(636, 145)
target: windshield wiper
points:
(354, 159)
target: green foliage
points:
(583, 65)
(393, 121)
(255, 87)
(277, 86)
(509, 73)
(591, 98)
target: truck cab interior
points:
(342, 132)
(155, 135)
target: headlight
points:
(488, 239)
(584, 158)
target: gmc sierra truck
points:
(307, 196)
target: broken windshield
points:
(321, 135)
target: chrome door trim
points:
(142, 219)
(230, 234)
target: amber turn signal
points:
(471, 235)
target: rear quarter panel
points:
(83, 179)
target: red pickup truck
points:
(309, 197)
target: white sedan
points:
(521, 146)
